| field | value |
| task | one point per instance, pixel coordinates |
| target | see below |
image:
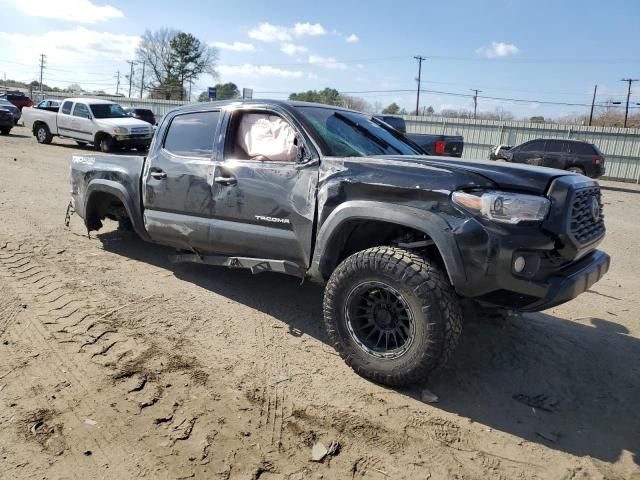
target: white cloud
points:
(248, 70)
(498, 49)
(313, 76)
(266, 32)
(235, 46)
(326, 62)
(312, 29)
(66, 47)
(291, 49)
(353, 38)
(80, 11)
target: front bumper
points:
(132, 140)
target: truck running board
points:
(256, 265)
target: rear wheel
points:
(5, 131)
(391, 315)
(576, 169)
(43, 135)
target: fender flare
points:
(425, 221)
(118, 191)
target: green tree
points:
(430, 110)
(173, 61)
(328, 96)
(392, 109)
(224, 91)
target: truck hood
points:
(127, 122)
(507, 176)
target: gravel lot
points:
(115, 363)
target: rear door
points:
(264, 197)
(177, 190)
(64, 119)
(555, 153)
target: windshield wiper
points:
(377, 140)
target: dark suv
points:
(142, 114)
(573, 155)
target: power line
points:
(626, 110)
(420, 59)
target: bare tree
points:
(355, 103)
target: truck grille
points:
(587, 220)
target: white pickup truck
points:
(101, 123)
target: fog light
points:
(518, 264)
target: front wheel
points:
(391, 315)
(105, 144)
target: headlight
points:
(504, 207)
(120, 130)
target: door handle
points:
(225, 180)
(159, 175)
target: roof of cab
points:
(286, 104)
(94, 101)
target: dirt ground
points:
(116, 364)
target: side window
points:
(555, 146)
(582, 149)
(42, 104)
(535, 146)
(192, 134)
(81, 110)
(66, 108)
(262, 136)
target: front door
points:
(81, 123)
(178, 181)
(264, 196)
(531, 153)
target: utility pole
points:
(475, 101)
(42, 62)
(593, 102)
(142, 81)
(420, 60)
(117, 76)
(130, 62)
(626, 110)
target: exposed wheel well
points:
(99, 137)
(36, 124)
(103, 205)
(360, 234)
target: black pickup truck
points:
(404, 242)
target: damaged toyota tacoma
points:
(405, 243)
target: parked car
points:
(497, 152)
(101, 123)
(450, 146)
(447, 145)
(6, 120)
(19, 99)
(142, 114)
(401, 240)
(7, 105)
(49, 105)
(573, 155)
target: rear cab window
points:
(192, 134)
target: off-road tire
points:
(43, 135)
(105, 144)
(576, 169)
(424, 288)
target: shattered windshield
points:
(108, 110)
(349, 134)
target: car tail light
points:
(439, 148)
(596, 160)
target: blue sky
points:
(534, 50)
